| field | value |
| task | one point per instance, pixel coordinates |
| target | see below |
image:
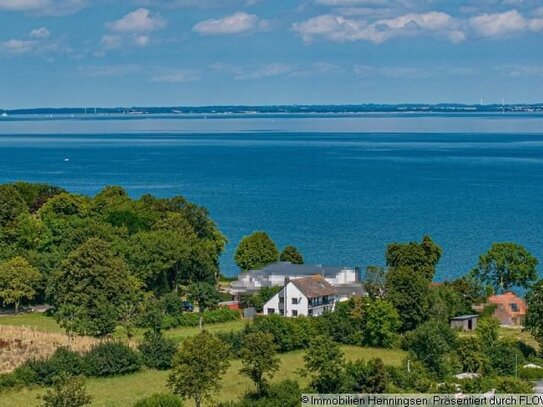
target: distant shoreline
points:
(280, 109)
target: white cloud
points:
(395, 72)
(44, 7)
(244, 73)
(138, 21)
(342, 29)
(236, 23)
(504, 24)
(176, 76)
(109, 70)
(40, 33)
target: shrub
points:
(67, 392)
(284, 394)
(160, 400)
(288, 333)
(43, 371)
(191, 319)
(111, 358)
(172, 304)
(9, 381)
(529, 373)
(157, 351)
(234, 339)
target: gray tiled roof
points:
(287, 269)
(315, 286)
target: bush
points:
(160, 400)
(288, 333)
(234, 339)
(9, 381)
(109, 359)
(67, 392)
(172, 304)
(157, 351)
(530, 373)
(44, 371)
(284, 394)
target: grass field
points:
(123, 391)
(42, 322)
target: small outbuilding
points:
(464, 322)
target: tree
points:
(258, 357)
(421, 257)
(430, 343)
(255, 251)
(18, 280)
(324, 362)
(12, 204)
(205, 295)
(198, 366)
(375, 281)
(409, 292)
(381, 322)
(67, 392)
(91, 279)
(534, 319)
(469, 352)
(291, 254)
(130, 306)
(367, 378)
(507, 265)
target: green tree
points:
(375, 282)
(255, 251)
(362, 377)
(18, 280)
(488, 332)
(198, 366)
(12, 204)
(324, 362)
(91, 279)
(259, 359)
(534, 319)
(205, 295)
(421, 257)
(381, 322)
(409, 292)
(507, 265)
(431, 343)
(470, 354)
(291, 254)
(67, 392)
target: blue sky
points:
(201, 52)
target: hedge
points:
(192, 319)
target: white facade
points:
(290, 301)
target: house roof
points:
(285, 268)
(504, 301)
(350, 290)
(314, 286)
(464, 317)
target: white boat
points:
(4, 114)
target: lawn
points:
(123, 391)
(42, 322)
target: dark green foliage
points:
(409, 292)
(160, 400)
(534, 319)
(35, 195)
(431, 344)
(507, 265)
(12, 204)
(420, 257)
(110, 359)
(259, 299)
(509, 385)
(344, 325)
(380, 323)
(530, 373)
(172, 304)
(157, 352)
(198, 366)
(447, 303)
(288, 333)
(205, 295)
(44, 371)
(324, 363)
(284, 394)
(255, 251)
(291, 254)
(67, 392)
(362, 377)
(258, 358)
(470, 354)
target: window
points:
(281, 300)
(294, 313)
(295, 301)
(271, 310)
(514, 307)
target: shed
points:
(464, 322)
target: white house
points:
(308, 296)
(275, 274)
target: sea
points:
(340, 187)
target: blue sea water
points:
(339, 187)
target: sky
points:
(74, 53)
